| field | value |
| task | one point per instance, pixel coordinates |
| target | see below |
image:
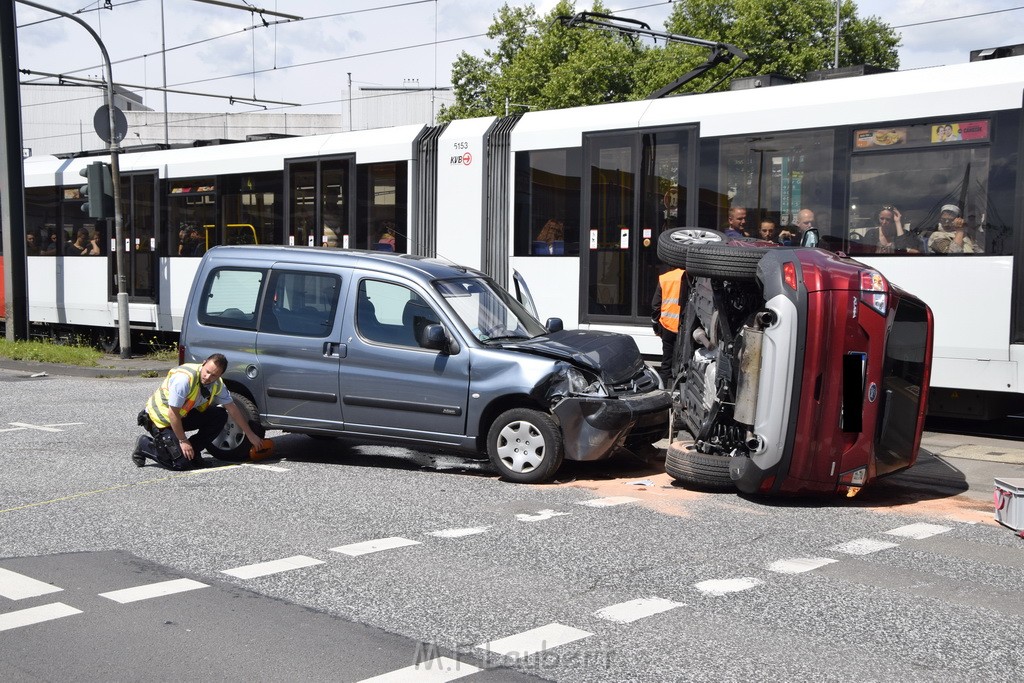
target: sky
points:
(346, 44)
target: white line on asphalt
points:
(724, 586)
(798, 565)
(17, 586)
(373, 546)
(918, 531)
(863, 546)
(535, 640)
(438, 670)
(253, 571)
(271, 468)
(153, 590)
(36, 615)
(458, 533)
(634, 610)
(26, 425)
(540, 516)
(607, 502)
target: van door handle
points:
(335, 350)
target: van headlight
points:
(579, 383)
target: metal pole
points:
(351, 123)
(839, 4)
(163, 58)
(123, 325)
(12, 187)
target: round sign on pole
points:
(101, 122)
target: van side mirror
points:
(810, 238)
(435, 337)
(553, 325)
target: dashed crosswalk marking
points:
(918, 531)
(270, 468)
(458, 533)
(539, 516)
(19, 426)
(259, 569)
(374, 546)
(634, 610)
(36, 615)
(153, 590)
(799, 565)
(610, 501)
(437, 670)
(535, 640)
(863, 546)
(15, 586)
(726, 586)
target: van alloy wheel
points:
(231, 443)
(525, 446)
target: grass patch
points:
(45, 352)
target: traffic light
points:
(99, 190)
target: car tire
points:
(684, 464)
(231, 443)
(723, 262)
(525, 446)
(674, 244)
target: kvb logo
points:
(464, 159)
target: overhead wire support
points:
(720, 52)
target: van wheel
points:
(525, 446)
(231, 443)
(674, 244)
(684, 464)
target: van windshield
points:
(491, 313)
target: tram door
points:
(139, 212)
(321, 212)
(637, 186)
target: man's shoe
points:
(138, 456)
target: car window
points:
(388, 313)
(301, 303)
(230, 298)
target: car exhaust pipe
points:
(749, 370)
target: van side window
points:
(300, 304)
(392, 314)
(230, 296)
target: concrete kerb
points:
(109, 366)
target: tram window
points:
(251, 209)
(382, 207)
(191, 207)
(930, 169)
(547, 202)
(773, 177)
(41, 220)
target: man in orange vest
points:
(666, 308)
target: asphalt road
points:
(345, 563)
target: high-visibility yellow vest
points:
(671, 284)
(158, 407)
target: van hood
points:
(614, 357)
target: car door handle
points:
(335, 350)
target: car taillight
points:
(851, 482)
(874, 290)
(789, 274)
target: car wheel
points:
(684, 464)
(525, 446)
(231, 443)
(674, 244)
(723, 262)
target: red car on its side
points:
(796, 370)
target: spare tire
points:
(723, 261)
(673, 244)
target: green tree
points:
(540, 64)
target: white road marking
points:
(798, 565)
(535, 640)
(15, 586)
(607, 502)
(253, 571)
(918, 531)
(374, 546)
(18, 426)
(153, 590)
(540, 516)
(725, 586)
(863, 546)
(271, 468)
(438, 670)
(458, 533)
(36, 615)
(634, 610)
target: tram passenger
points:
(793, 234)
(890, 237)
(737, 226)
(768, 231)
(95, 247)
(953, 240)
(51, 243)
(550, 239)
(31, 244)
(79, 246)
